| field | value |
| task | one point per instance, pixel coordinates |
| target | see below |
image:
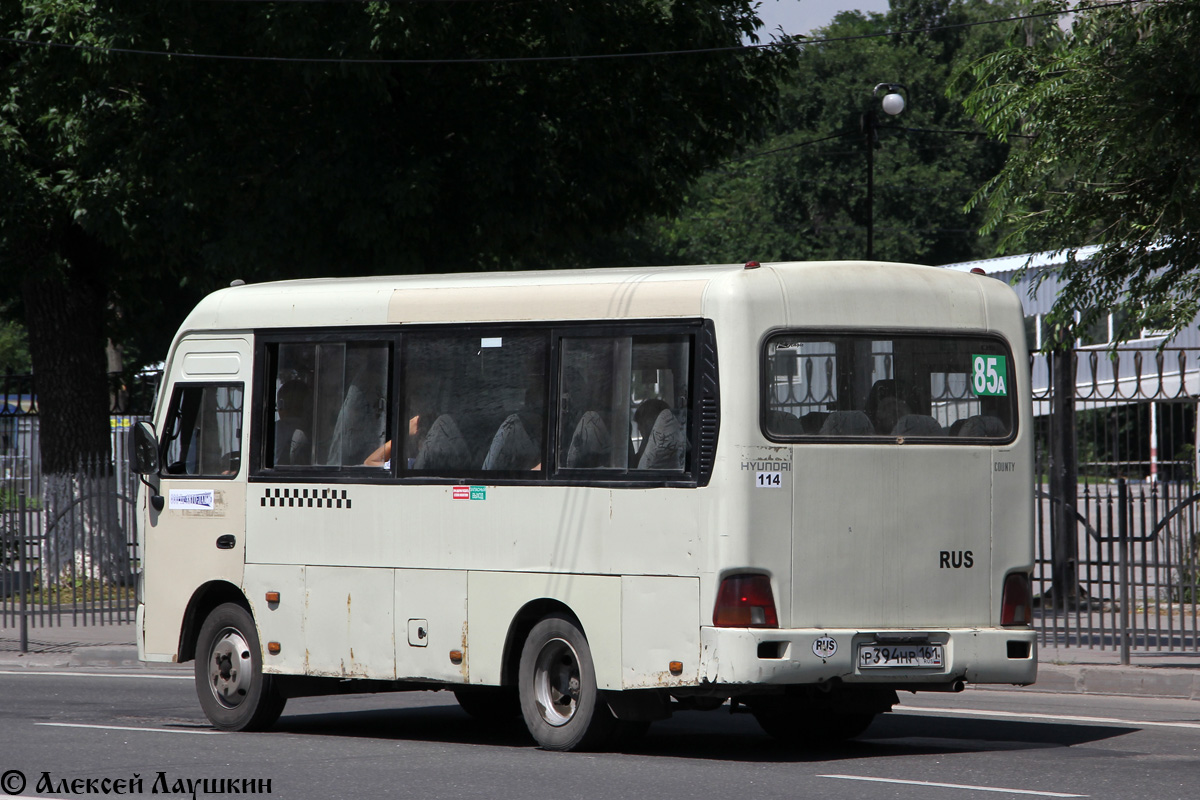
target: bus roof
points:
(570, 294)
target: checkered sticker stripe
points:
(305, 498)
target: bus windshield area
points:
(931, 387)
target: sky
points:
(801, 16)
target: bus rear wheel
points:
(557, 685)
(234, 693)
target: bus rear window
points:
(934, 387)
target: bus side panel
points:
(495, 598)
(431, 621)
(281, 622)
(349, 622)
(659, 625)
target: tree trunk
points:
(65, 303)
(1065, 590)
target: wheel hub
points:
(229, 668)
(556, 682)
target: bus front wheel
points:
(557, 684)
(234, 693)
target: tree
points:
(149, 158)
(1113, 112)
(14, 346)
(802, 194)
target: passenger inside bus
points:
(292, 445)
(382, 457)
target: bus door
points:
(199, 535)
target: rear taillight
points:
(745, 601)
(1016, 603)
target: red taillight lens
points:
(745, 601)
(1016, 604)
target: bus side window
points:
(660, 390)
(474, 402)
(592, 403)
(623, 403)
(360, 424)
(331, 403)
(204, 431)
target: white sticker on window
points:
(191, 499)
(491, 341)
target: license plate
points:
(879, 656)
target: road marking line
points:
(952, 786)
(202, 732)
(62, 674)
(972, 712)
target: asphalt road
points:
(80, 725)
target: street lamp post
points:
(892, 103)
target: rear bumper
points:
(805, 656)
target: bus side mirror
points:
(143, 445)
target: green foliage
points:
(14, 348)
(1114, 112)
(219, 169)
(136, 181)
(10, 501)
(802, 194)
(192, 172)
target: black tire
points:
(233, 691)
(557, 685)
(496, 704)
(813, 730)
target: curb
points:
(122, 656)
(104, 657)
(1182, 684)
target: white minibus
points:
(590, 498)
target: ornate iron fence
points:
(1118, 526)
(67, 556)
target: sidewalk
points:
(1076, 670)
(70, 646)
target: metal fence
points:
(68, 550)
(1118, 527)
(73, 561)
